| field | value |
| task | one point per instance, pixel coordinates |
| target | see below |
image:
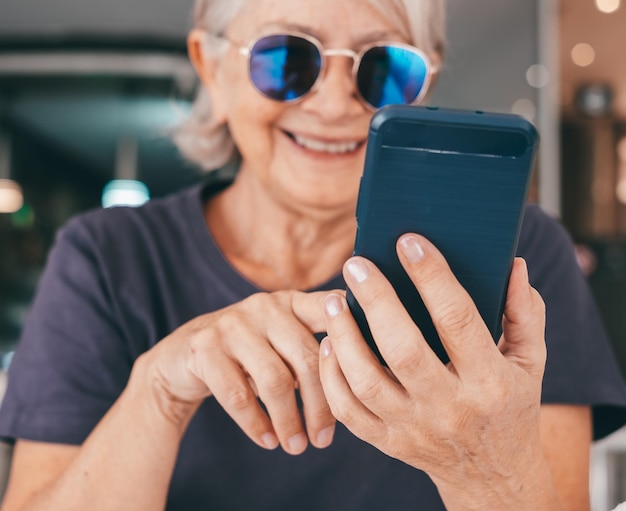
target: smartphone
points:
(458, 177)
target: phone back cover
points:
(460, 178)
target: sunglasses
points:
(288, 67)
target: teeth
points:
(325, 147)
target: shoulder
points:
(158, 214)
(120, 230)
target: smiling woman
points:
(289, 151)
(172, 359)
(207, 142)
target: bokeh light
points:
(583, 54)
(608, 6)
(11, 197)
(538, 76)
(124, 192)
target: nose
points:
(336, 96)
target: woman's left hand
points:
(473, 424)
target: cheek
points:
(252, 120)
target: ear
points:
(208, 69)
(436, 61)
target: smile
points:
(324, 146)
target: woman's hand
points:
(260, 347)
(473, 424)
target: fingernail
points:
(325, 437)
(270, 440)
(297, 443)
(326, 347)
(411, 248)
(357, 269)
(333, 305)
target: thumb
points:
(523, 326)
(307, 307)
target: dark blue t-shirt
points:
(119, 280)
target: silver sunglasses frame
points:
(356, 57)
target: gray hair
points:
(208, 143)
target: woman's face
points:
(307, 155)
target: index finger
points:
(307, 308)
(399, 340)
(462, 331)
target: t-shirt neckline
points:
(212, 184)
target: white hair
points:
(208, 143)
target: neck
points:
(277, 247)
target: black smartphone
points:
(458, 177)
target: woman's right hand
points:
(260, 347)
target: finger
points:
(275, 385)
(290, 318)
(523, 338)
(366, 377)
(300, 351)
(306, 307)
(462, 331)
(346, 407)
(398, 339)
(229, 385)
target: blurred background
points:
(89, 92)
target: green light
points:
(23, 218)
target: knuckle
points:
(276, 382)
(458, 417)
(404, 362)
(257, 300)
(239, 398)
(306, 364)
(197, 343)
(491, 394)
(342, 412)
(318, 416)
(283, 296)
(449, 424)
(283, 299)
(230, 321)
(431, 273)
(202, 341)
(454, 319)
(367, 389)
(495, 396)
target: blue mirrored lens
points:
(284, 67)
(391, 75)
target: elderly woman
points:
(170, 359)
